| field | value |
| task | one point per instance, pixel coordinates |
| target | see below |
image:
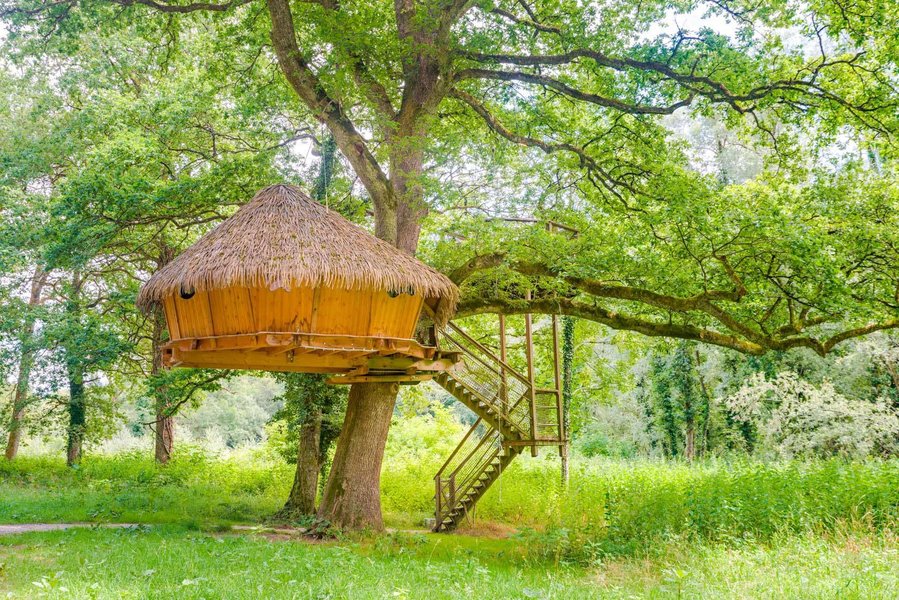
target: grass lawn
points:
(624, 530)
(170, 561)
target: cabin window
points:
(395, 293)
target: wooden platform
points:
(357, 358)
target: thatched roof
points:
(283, 238)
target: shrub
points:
(804, 420)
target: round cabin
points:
(286, 284)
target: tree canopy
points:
(719, 170)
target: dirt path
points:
(30, 527)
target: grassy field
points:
(621, 530)
(170, 561)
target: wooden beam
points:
(392, 378)
(532, 389)
(504, 383)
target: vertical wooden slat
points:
(171, 318)
(394, 317)
(195, 316)
(504, 385)
(532, 383)
(343, 312)
(313, 317)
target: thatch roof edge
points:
(263, 245)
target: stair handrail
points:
(521, 377)
(458, 447)
(476, 459)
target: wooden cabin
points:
(286, 284)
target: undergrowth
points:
(610, 508)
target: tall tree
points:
(27, 350)
(679, 402)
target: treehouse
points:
(286, 284)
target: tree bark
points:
(690, 450)
(305, 481)
(352, 497)
(165, 433)
(164, 424)
(567, 374)
(26, 362)
(164, 429)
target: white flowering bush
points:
(801, 419)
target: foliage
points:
(235, 413)
(306, 397)
(553, 111)
(803, 419)
(612, 508)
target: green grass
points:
(170, 562)
(192, 489)
(612, 507)
(623, 529)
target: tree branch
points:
(610, 318)
(169, 7)
(606, 180)
(635, 109)
(310, 90)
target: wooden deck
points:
(356, 358)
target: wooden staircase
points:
(510, 415)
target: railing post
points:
(452, 490)
(438, 501)
(503, 384)
(532, 384)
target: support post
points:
(557, 375)
(438, 508)
(532, 392)
(503, 384)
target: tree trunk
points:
(706, 410)
(352, 497)
(75, 372)
(76, 416)
(690, 450)
(26, 361)
(305, 481)
(20, 400)
(164, 432)
(164, 424)
(352, 494)
(690, 426)
(164, 429)
(567, 368)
